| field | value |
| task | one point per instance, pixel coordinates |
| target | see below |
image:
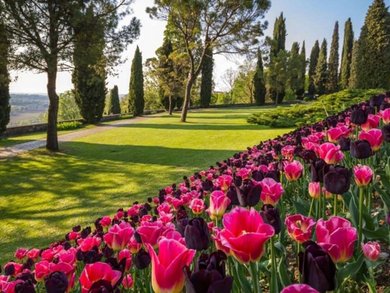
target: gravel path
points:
(17, 149)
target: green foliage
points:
(69, 125)
(259, 90)
(206, 86)
(312, 112)
(136, 90)
(68, 108)
(333, 64)
(5, 107)
(113, 106)
(346, 58)
(89, 75)
(321, 76)
(302, 73)
(294, 81)
(315, 52)
(373, 52)
(353, 79)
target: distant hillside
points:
(28, 109)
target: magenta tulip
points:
(363, 175)
(330, 153)
(335, 133)
(99, 274)
(374, 137)
(119, 236)
(293, 170)
(299, 227)
(224, 182)
(168, 265)
(218, 204)
(271, 191)
(299, 288)
(337, 237)
(245, 234)
(371, 250)
(128, 282)
(197, 206)
(385, 114)
(372, 122)
(315, 189)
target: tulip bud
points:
(363, 175)
(271, 216)
(337, 180)
(197, 234)
(315, 189)
(141, 259)
(371, 250)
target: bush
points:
(312, 112)
(69, 125)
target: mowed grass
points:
(43, 195)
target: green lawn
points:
(43, 195)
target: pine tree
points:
(321, 75)
(346, 58)
(294, 68)
(302, 73)
(207, 79)
(315, 51)
(333, 64)
(259, 90)
(136, 89)
(114, 104)
(5, 107)
(353, 79)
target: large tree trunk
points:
(187, 98)
(170, 109)
(52, 139)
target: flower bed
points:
(305, 212)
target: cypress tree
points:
(207, 79)
(353, 79)
(302, 72)
(346, 58)
(294, 68)
(136, 90)
(5, 107)
(373, 67)
(259, 90)
(321, 75)
(315, 51)
(114, 104)
(333, 64)
(89, 75)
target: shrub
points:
(69, 125)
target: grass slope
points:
(43, 195)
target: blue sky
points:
(307, 20)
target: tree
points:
(314, 54)
(136, 89)
(225, 26)
(243, 87)
(294, 68)
(228, 78)
(302, 73)
(114, 103)
(207, 79)
(68, 108)
(333, 64)
(353, 79)
(5, 107)
(259, 89)
(42, 35)
(278, 75)
(89, 74)
(278, 44)
(321, 75)
(373, 54)
(346, 58)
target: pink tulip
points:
(385, 114)
(119, 236)
(21, 253)
(371, 250)
(299, 227)
(363, 175)
(245, 234)
(218, 241)
(288, 152)
(128, 282)
(244, 173)
(197, 206)
(218, 204)
(335, 133)
(337, 237)
(299, 288)
(372, 122)
(168, 265)
(293, 170)
(271, 191)
(330, 153)
(126, 255)
(224, 181)
(105, 221)
(150, 232)
(42, 270)
(374, 137)
(88, 243)
(33, 253)
(315, 189)
(98, 271)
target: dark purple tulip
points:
(102, 286)
(141, 259)
(57, 282)
(337, 180)
(197, 234)
(361, 149)
(359, 116)
(232, 195)
(214, 261)
(376, 101)
(275, 175)
(207, 185)
(249, 193)
(205, 281)
(345, 143)
(24, 287)
(317, 267)
(317, 169)
(271, 216)
(386, 132)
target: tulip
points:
(150, 232)
(344, 143)
(317, 169)
(249, 193)
(224, 182)
(386, 132)
(337, 180)
(97, 276)
(271, 191)
(372, 122)
(363, 175)
(57, 282)
(197, 234)
(118, 236)
(299, 288)
(33, 253)
(293, 170)
(330, 153)
(315, 189)
(105, 221)
(218, 204)
(337, 237)
(385, 114)
(359, 116)
(88, 244)
(128, 282)
(374, 137)
(209, 281)
(245, 234)
(299, 227)
(168, 265)
(361, 149)
(197, 206)
(371, 250)
(21, 253)
(335, 133)
(271, 216)
(141, 259)
(317, 267)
